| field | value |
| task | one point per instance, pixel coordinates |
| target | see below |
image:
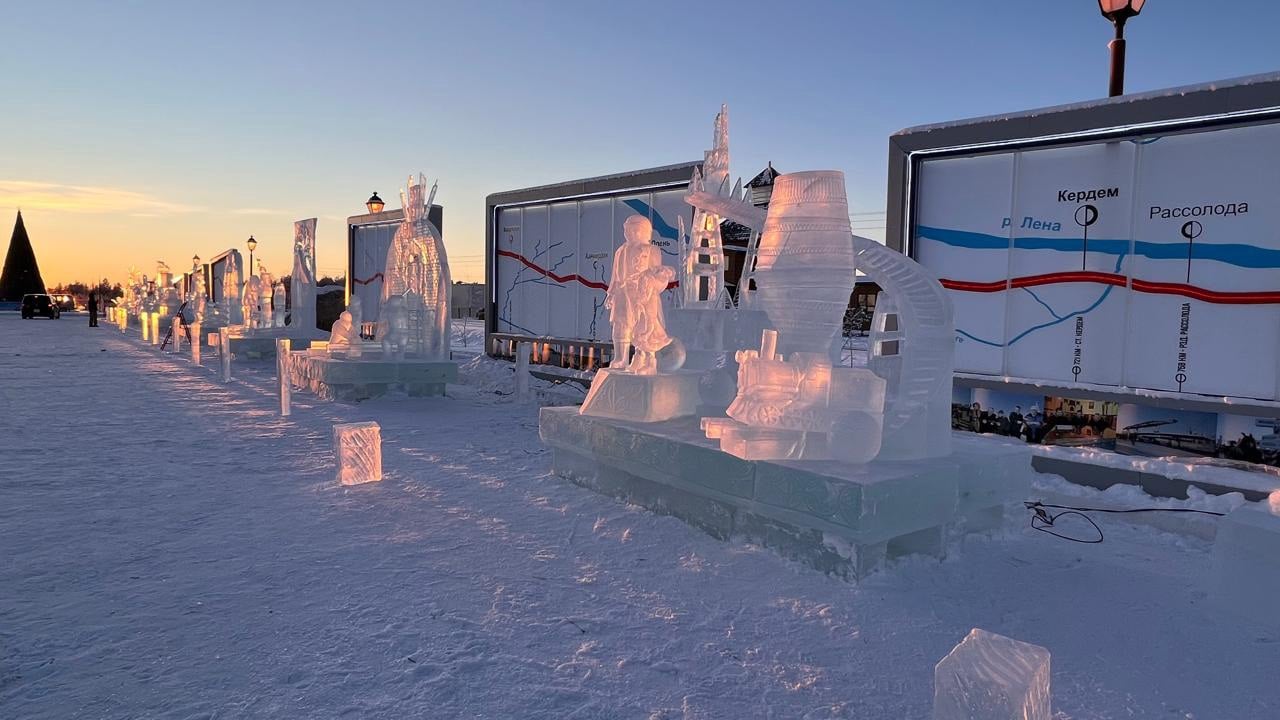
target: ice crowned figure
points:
(634, 299)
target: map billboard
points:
(1148, 261)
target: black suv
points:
(43, 305)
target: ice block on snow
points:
(992, 677)
(358, 449)
(1246, 562)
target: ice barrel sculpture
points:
(805, 265)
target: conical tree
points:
(21, 274)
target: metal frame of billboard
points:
(658, 178)
(1243, 101)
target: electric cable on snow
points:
(1043, 520)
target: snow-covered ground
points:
(170, 547)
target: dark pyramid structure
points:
(21, 274)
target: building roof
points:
(765, 177)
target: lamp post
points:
(252, 244)
(1118, 11)
(375, 204)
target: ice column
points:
(522, 370)
(357, 447)
(224, 353)
(195, 342)
(992, 677)
(155, 327)
(175, 331)
(282, 370)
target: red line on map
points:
(1144, 286)
(574, 277)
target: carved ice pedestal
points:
(332, 377)
(642, 398)
(1246, 564)
(357, 448)
(841, 518)
(992, 677)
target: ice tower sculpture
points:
(303, 286)
(702, 269)
(417, 271)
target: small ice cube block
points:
(358, 450)
(1246, 563)
(992, 677)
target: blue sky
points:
(145, 130)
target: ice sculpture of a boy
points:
(634, 299)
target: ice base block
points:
(840, 518)
(1246, 564)
(354, 379)
(642, 398)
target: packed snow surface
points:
(171, 547)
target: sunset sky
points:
(138, 131)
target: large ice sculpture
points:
(992, 677)
(278, 305)
(303, 285)
(345, 336)
(266, 288)
(357, 448)
(792, 402)
(702, 276)
(634, 299)
(250, 299)
(417, 270)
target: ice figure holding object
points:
(393, 328)
(634, 299)
(417, 270)
(992, 677)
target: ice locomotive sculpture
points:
(647, 388)
(417, 271)
(792, 401)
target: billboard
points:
(552, 259)
(1148, 261)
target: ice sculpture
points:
(702, 278)
(393, 328)
(232, 291)
(266, 288)
(278, 305)
(196, 309)
(417, 270)
(634, 299)
(345, 336)
(303, 285)
(992, 677)
(249, 301)
(357, 448)
(792, 402)
(224, 353)
(647, 388)
(911, 346)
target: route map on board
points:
(1148, 263)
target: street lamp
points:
(374, 203)
(252, 244)
(1118, 11)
